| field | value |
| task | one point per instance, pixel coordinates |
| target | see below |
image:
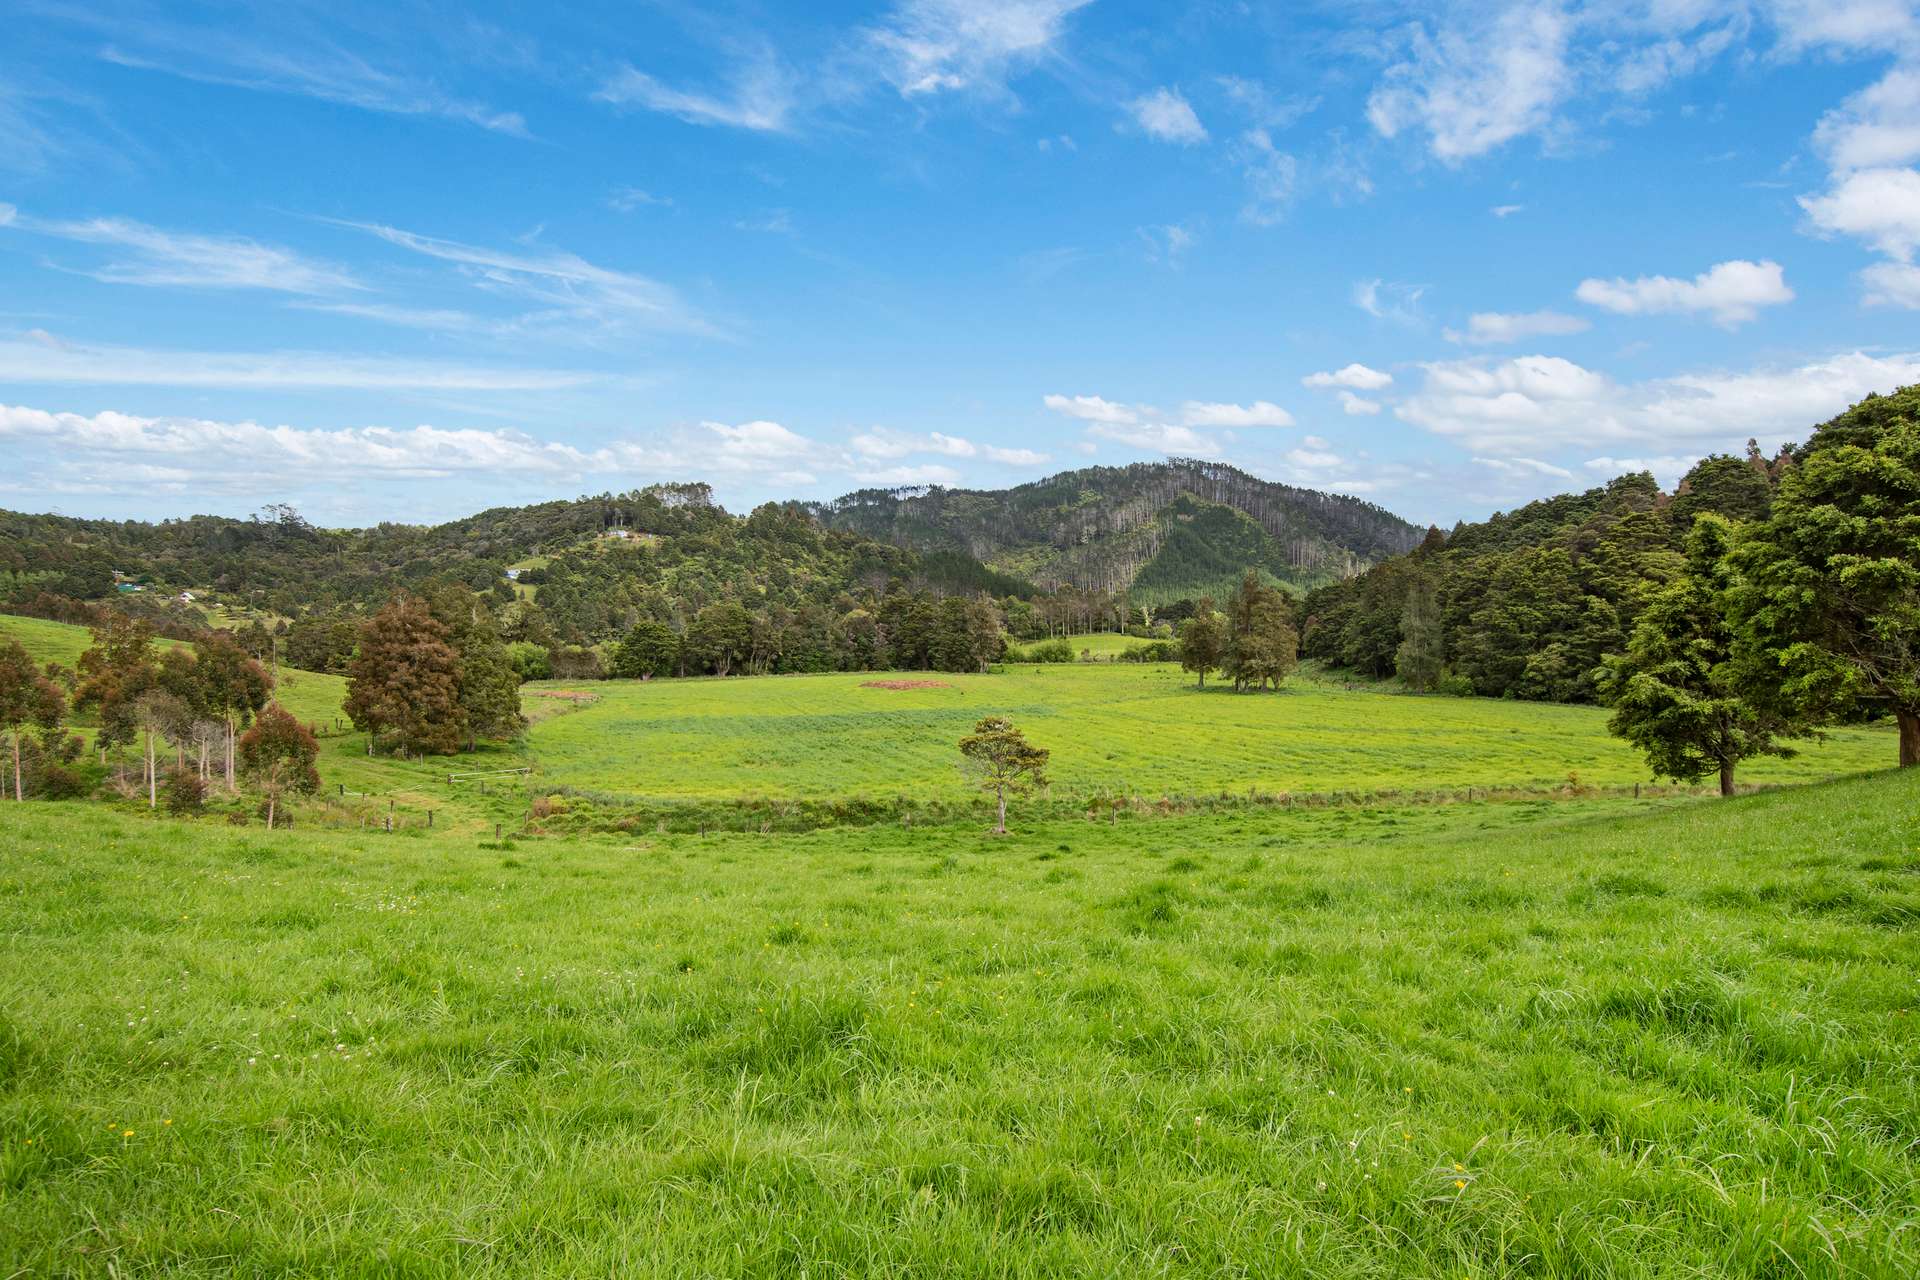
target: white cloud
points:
(186, 260)
(1261, 413)
(885, 445)
(750, 444)
(1493, 328)
(1880, 206)
(307, 63)
(1168, 243)
(1161, 437)
(1382, 300)
(1528, 406)
(1526, 467)
(1358, 406)
(1892, 284)
(1358, 377)
(932, 46)
(908, 477)
(1732, 292)
(1868, 26)
(1167, 115)
(1091, 409)
(1506, 210)
(570, 291)
(1472, 91)
(43, 358)
(1876, 128)
(201, 450)
(760, 96)
(627, 199)
(7, 214)
(1271, 175)
(1667, 469)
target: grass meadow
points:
(1550, 1031)
(1121, 727)
(1605, 1038)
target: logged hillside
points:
(1159, 531)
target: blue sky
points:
(406, 260)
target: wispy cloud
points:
(759, 94)
(41, 358)
(570, 290)
(1494, 328)
(935, 46)
(301, 60)
(157, 257)
(1167, 115)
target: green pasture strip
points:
(1678, 1042)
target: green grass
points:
(1672, 1038)
(1143, 729)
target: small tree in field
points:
(1000, 756)
(278, 753)
(1203, 640)
(26, 697)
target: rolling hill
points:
(1158, 531)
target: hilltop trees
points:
(1002, 759)
(1828, 605)
(1203, 640)
(403, 686)
(1676, 690)
(113, 674)
(26, 697)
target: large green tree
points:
(403, 687)
(1676, 692)
(1828, 599)
(279, 755)
(1421, 658)
(1203, 640)
(489, 685)
(650, 649)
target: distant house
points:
(185, 597)
(618, 533)
(513, 575)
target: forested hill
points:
(1159, 531)
(597, 554)
(1527, 603)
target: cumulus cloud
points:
(1161, 437)
(1473, 90)
(1525, 467)
(1732, 293)
(1892, 284)
(890, 445)
(1091, 409)
(1494, 328)
(1261, 413)
(1356, 377)
(1167, 115)
(1879, 206)
(1522, 407)
(1876, 128)
(1358, 406)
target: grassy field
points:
(1119, 726)
(1599, 1038)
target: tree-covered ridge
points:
(1102, 527)
(608, 558)
(1528, 603)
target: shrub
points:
(1454, 686)
(59, 782)
(186, 792)
(1055, 650)
(1155, 651)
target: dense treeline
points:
(1529, 603)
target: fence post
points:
(496, 833)
(389, 824)
(343, 790)
(429, 819)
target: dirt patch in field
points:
(905, 684)
(567, 695)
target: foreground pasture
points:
(1590, 1038)
(1123, 727)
